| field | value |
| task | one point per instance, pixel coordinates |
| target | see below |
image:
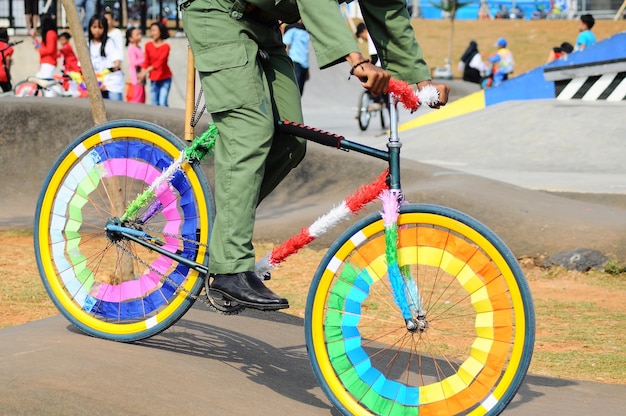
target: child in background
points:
(66, 53)
(560, 52)
(136, 92)
(502, 63)
(69, 64)
(47, 47)
(114, 33)
(5, 65)
(105, 59)
(155, 65)
(585, 37)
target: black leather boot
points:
(247, 289)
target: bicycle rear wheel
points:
(108, 287)
(364, 115)
(473, 343)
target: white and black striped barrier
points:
(600, 80)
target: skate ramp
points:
(596, 74)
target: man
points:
(31, 12)
(249, 83)
(297, 40)
(85, 9)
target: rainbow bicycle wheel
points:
(471, 337)
(112, 287)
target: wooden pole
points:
(95, 96)
(190, 95)
(618, 15)
(125, 269)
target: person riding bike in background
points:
(503, 63)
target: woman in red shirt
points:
(48, 48)
(155, 65)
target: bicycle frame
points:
(116, 231)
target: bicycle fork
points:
(405, 291)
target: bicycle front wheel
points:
(473, 339)
(364, 115)
(110, 287)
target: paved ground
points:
(256, 363)
(251, 364)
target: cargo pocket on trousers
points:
(227, 77)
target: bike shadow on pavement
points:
(284, 369)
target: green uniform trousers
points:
(249, 84)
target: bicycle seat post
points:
(394, 146)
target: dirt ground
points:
(529, 40)
(576, 312)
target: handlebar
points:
(412, 100)
(10, 44)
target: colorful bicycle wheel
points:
(106, 285)
(468, 343)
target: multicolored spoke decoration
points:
(108, 285)
(200, 147)
(468, 304)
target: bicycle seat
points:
(43, 82)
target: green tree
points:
(449, 9)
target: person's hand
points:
(442, 89)
(373, 78)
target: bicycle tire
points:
(91, 182)
(27, 89)
(364, 114)
(384, 115)
(361, 351)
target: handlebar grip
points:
(310, 133)
(411, 100)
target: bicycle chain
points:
(194, 118)
(164, 278)
(176, 236)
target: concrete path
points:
(209, 364)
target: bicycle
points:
(69, 84)
(420, 308)
(42, 87)
(368, 106)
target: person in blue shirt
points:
(297, 39)
(502, 63)
(585, 37)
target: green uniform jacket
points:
(388, 23)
